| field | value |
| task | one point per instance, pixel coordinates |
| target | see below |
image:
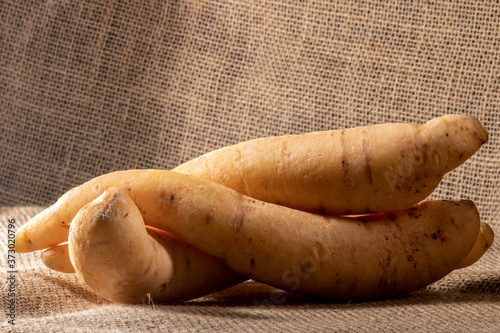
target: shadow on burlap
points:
(90, 87)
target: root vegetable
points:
(483, 243)
(117, 258)
(382, 168)
(379, 168)
(57, 258)
(378, 255)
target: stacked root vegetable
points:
(334, 215)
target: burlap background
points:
(89, 87)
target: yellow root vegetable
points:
(483, 243)
(57, 257)
(379, 168)
(117, 258)
(332, 257)
(382, 168)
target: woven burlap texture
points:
(90, 87)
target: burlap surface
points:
(89, 87)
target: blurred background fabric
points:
(91, 87)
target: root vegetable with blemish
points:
(376, 168)
(57, 257)
(378, 255)
(122, 261)
(379, 168)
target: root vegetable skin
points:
(57, 257)
(328, 257)
(483, 243)
(371, 169)
(379, 168)
(298, 251)
(117, 258)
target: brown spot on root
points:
(345, 167)
(424, 153)
(438, 236)
(143, 212)
(126, 214)
(367, 158)
(64, 224)
(410, 259)
(252, 262)
(208, 218)
(345, 162)
(392, 217)
(368, 171)
(411, 213)
(163, 196)
(240, 213)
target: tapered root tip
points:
(483, 243)
(57, 258)
(478, 130)
(464, 125)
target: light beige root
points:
(361, 170)
(57, 257)
(378, 255)
(371, 169)
(483, 243)
(120, 260)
